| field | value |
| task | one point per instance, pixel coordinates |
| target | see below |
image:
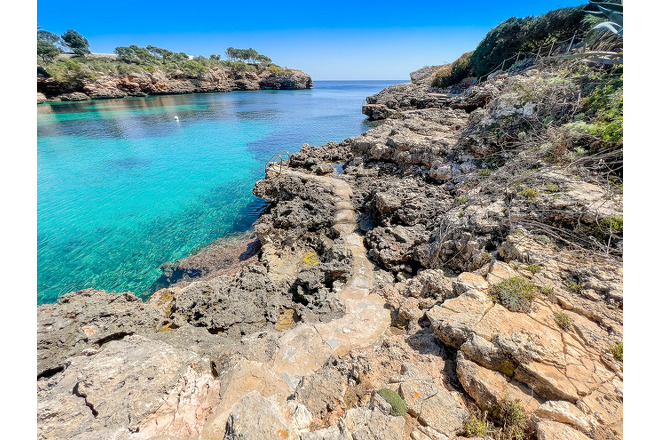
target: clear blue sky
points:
(328, 40)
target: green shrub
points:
(399, 407)
(534, 268)
(529, 193)
(476, 426)
(453, 73)
(563, 320)
(275, 69)
(526, 35)
(617, 351)
(611, 224)
(575, 287)
(604, 104)
(510, 415)
(516, 294)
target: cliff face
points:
(216, 79)
(469, 255)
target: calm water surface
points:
(123, 187)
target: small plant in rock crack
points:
(476, 425)
(516, 294)
(534, 268)
(575, 287)
(549, 294)
(563, 320)
(529, 193)
(617, 351)
(399, 407)
(510, 415)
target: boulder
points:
(433, 406)
(82, 322)
(255, 417)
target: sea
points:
(125, 185)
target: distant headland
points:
(68, 71)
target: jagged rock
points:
(425, 74)
(524, 346)
(488, 387)
(434, 406)
(176, 388)
(255, 417)
(468, 281)
(222, 257)
(366, 424)
(320, 391)
(547, 430)
(429, 284)
(75, 96)
(82, 322)
(565, 412)
(41, 98)
(399, 97)
(215, 79)
(334, 432)
(233, 306)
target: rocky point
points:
(457, 261)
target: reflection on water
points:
(124, 187)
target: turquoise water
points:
(123, 187)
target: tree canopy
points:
(47, 51)
(76, 42)
(247, 55)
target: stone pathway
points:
(305, 348)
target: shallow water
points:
(123, 187)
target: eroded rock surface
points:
(384, 263)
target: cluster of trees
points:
(49, 45)
(148, 55)
(247, 55)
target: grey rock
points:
(82, 322)
(255, 417)
(367, 424)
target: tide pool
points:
(123, 187)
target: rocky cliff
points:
(143, 83)
(454, 271)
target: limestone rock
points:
(468, 281)
(548, 430)
(135, 383)
(365, 424)
(214, 79)
(255, 417)
(565, 412)
(82, 322)
(434, 406)
(334, 432)
(487, 387)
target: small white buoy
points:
(176, 118)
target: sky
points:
(338, 40)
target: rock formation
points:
(461, 259)
(216, 79)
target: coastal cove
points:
(124, 187)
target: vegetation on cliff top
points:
(512, 41)
(134, 59)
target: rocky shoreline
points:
(465, 267)
(216, 79)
